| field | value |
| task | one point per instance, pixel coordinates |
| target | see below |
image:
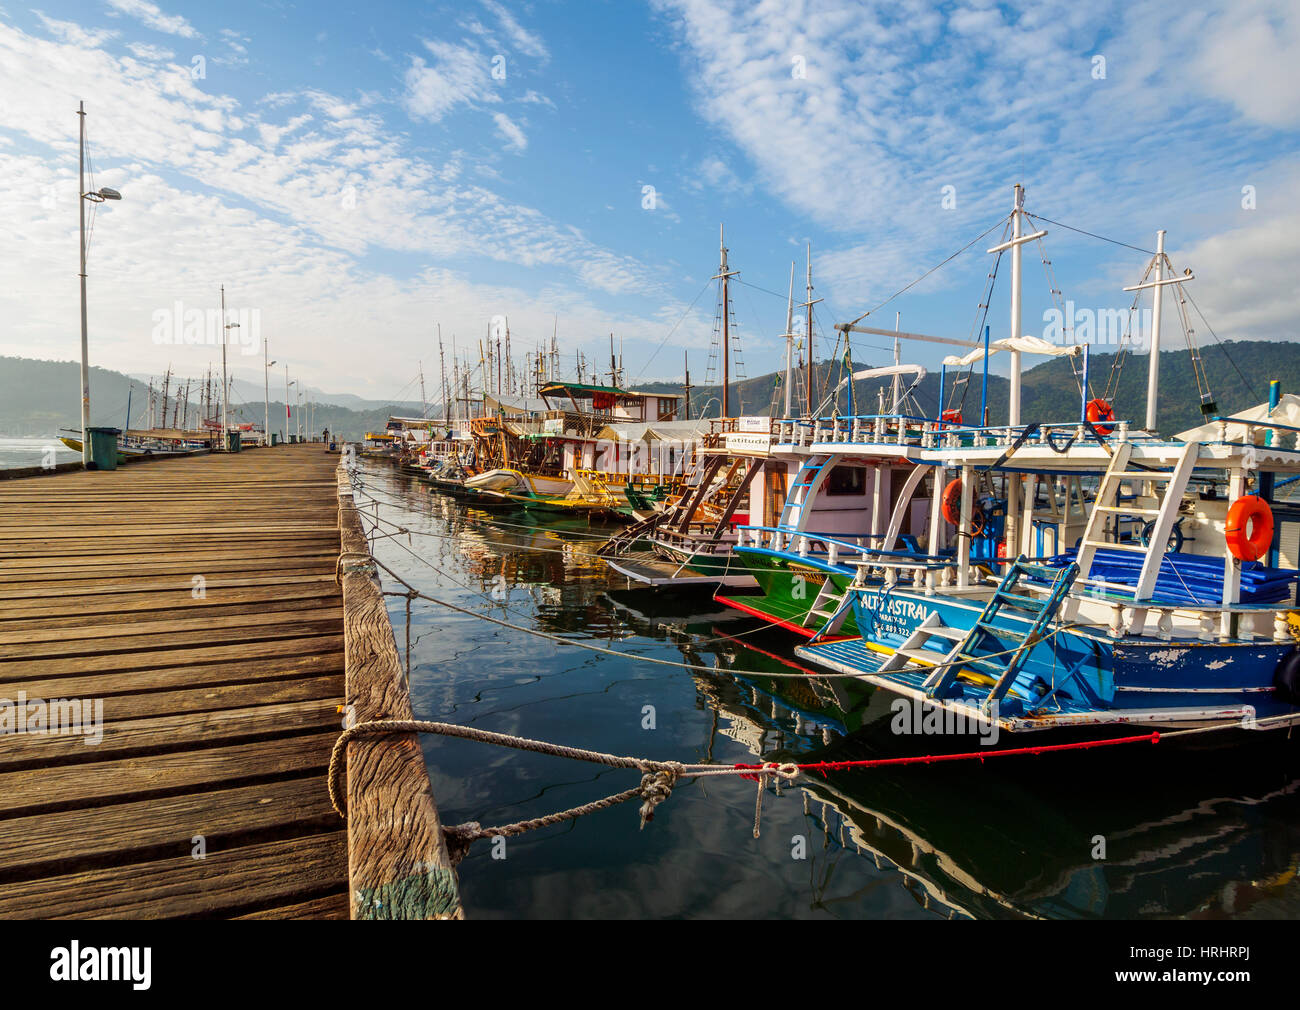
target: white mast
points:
(898, 360)
(1014, 411)
(1018, 238)
(1153, 367)
(789, 339)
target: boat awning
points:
(1025, 344)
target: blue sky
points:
(357, 175)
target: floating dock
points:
(180, 647)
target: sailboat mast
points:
(1016, 225)
(808, 339)
(1153, 367)
(789, 339)
(686, 386)
(726, 327)
(898, 360)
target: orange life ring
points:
(1247, 543)
(951, 506)
(1100, 410)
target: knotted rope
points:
(658, 778)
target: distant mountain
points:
(1238, 371)
(245, 391)
(39, 397)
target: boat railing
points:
(912, 431)
(1212, 622)
(836, 549)
(1256, 428)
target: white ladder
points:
(1106, 505)
(912, 656)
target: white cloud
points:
(514, 136)
(459, 76)
(145, 51)
(74, 34)
(150, 15)
(858, 115)
(523, 40)
(285, 203)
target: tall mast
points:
(442, 369)
(726, 329)
(789, 339)
(725, 274)
(1016, 228)
(1153, 367)
(898, 360)
(808, 339)
(686, 386)
(424, 403)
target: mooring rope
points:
(657, 779)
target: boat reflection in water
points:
(1205, 830)
(1197, 828)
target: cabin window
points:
(847, 480)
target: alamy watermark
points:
(178, 324)
(1096, 326)
(84, 716)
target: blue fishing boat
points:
(1081, 573)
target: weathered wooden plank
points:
(233, 881)
(219, 710)
(261, 674)
(68, 786)
(334, 906)
(161, 658)
(119, 738)
(49, 844)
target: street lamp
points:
(287, 384)
(266, 376)
(98, 196)
(225, 381)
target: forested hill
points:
(1238, 372)
(37, 398)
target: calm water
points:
(22, 452)
(1206, 831)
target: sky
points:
(361, 177)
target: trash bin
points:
(293, 439)
(103, 447)
(275, 438)
(232, 441)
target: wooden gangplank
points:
(196, 600)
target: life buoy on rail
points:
(951, 506)
(1101, 411)
(1249, 530)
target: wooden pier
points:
(218, 615)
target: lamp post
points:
(287, 384)
(266, 376)
(99, 196)
(225, 380)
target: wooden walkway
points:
(197, 600)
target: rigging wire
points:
(1103, 238)
(923, 276)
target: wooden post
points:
(398, 867)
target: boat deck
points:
(648, 568)
(196, 600)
